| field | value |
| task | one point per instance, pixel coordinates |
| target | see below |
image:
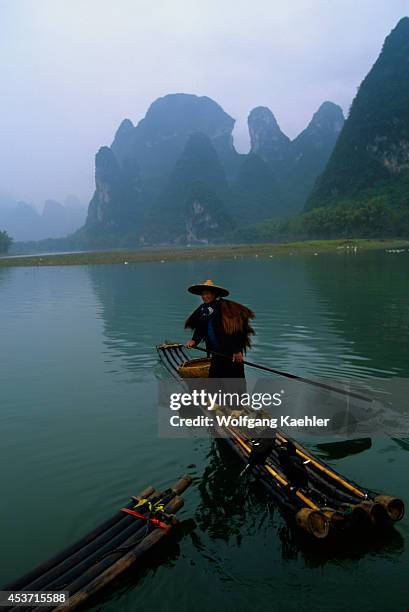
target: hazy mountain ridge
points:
(175, 176)
(136, 178)
(364, 189)
(371, 157)
(23, 222)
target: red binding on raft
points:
(146, 518)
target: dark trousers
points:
(221, 367)
(227, 376)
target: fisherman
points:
(224, 326)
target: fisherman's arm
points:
(198, 336)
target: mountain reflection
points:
(368, 297)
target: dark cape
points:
(225, 328)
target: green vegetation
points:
(192, 206)
(212, 252)
(374, 218)
(371, 219)
(5, 242)
(371, 157)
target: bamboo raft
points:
(322, 502)
(93, 562)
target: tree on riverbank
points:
(5, 242)
(374, 218)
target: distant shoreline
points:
(166, 254)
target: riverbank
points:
(209, 252)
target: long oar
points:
(292, 376)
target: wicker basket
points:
(196, 368)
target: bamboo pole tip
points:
(395, 507)
(182, 484)
(314, 522)
(174, 505)
(145, 493)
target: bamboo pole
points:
(307, 381)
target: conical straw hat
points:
(210, 286)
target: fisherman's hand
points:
(190, 344)
(238, 357)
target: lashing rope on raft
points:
(150, 519)
(156, 509)
(152, 507)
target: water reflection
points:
(402, 442)
(4, 273)
(140, 306)
(326, 316)
(233, 508)
(223, 510)
(368, 298)
(345, 448)
(165, 555)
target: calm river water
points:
(78, 420)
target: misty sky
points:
(71, 70)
